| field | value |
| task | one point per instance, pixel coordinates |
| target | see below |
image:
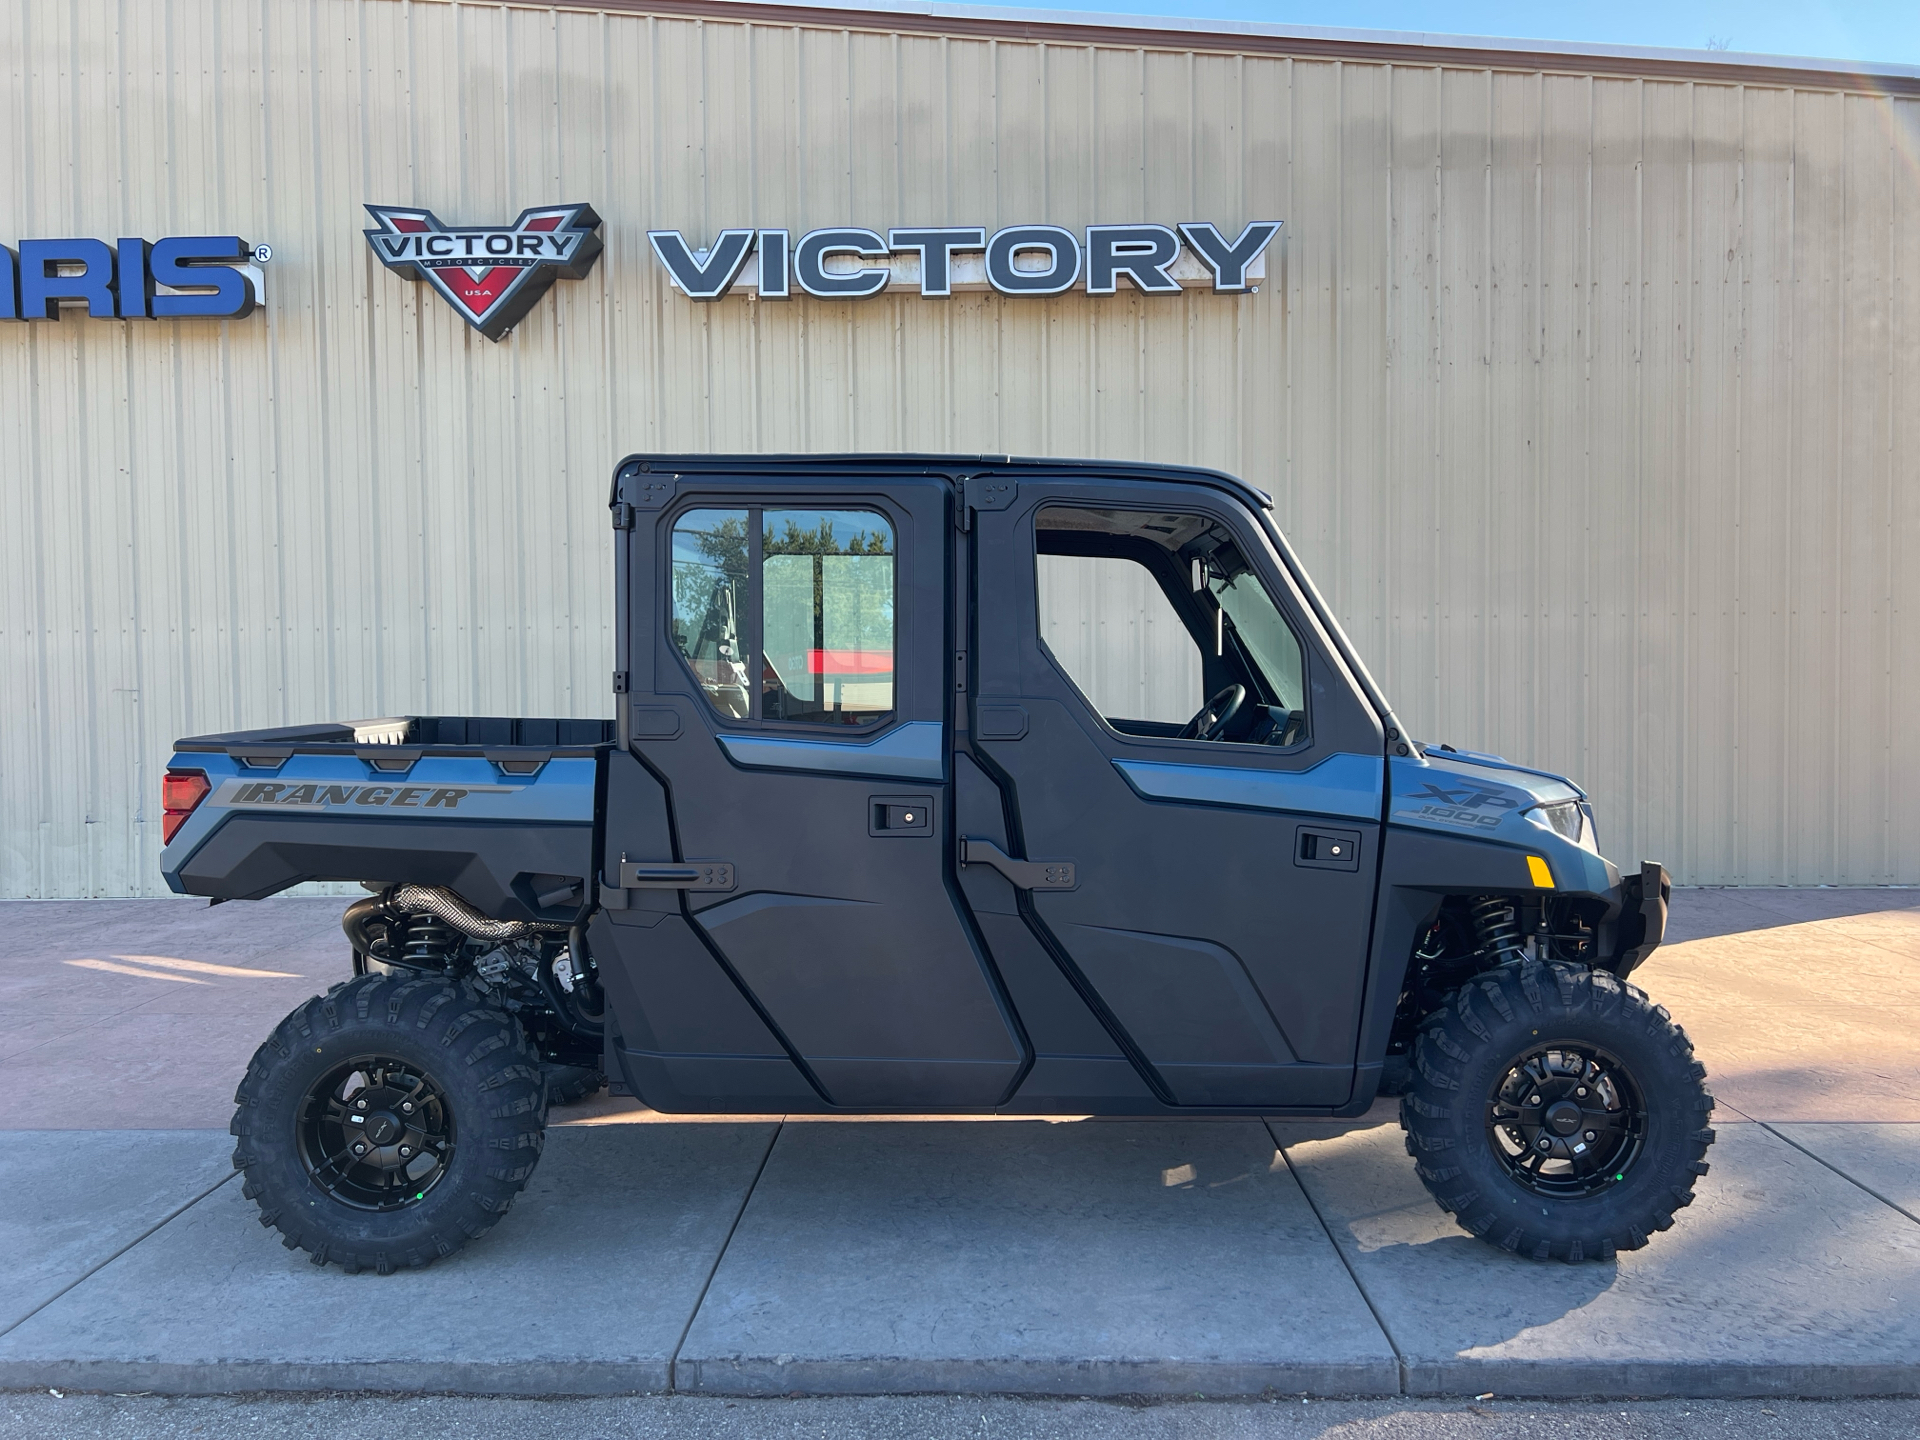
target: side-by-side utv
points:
(951, 785)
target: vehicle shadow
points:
(1707, 912)
(1291, 1130)
(1417, 1287)
(1439, 1292)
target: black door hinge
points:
(988, 492)
(981, 492)
(620, 678)
(675, 874)
(1025, 874)
(622, 515)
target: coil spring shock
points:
(1494, 927)
(430, 942)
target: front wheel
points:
(388, 1122)
(1556, 1111)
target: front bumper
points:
(1642, 922)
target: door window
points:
(1166, 629)
(787, 615)
(828, 613)
(1115, 634)
(709, 585)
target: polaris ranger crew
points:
(877, 828)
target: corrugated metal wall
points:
(1590, 401)
(1117, 637)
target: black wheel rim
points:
(1566, 1120)
(376, 1133)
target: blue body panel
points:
(1343, 785)
(1485, 798)
(435, 790)
(915, 750)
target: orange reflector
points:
(1537, 868)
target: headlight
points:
(1563, 817)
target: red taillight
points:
(180, 794)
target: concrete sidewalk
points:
(1088, 1258)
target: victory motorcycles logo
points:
(491, 274)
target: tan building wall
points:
(1590, 398)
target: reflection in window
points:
(709, 584)
(828, 615)
(816, 600)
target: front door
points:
(1157, 703)
(792, 707)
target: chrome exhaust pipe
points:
(436, 900)
(444, 904)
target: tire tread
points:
(1441, 1117)
(495, 1080)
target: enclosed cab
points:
(964, 785)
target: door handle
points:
(1318, 849)
(676, 875)
(899, 815)
(1025, 874)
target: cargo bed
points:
(500, 809)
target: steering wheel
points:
(1210, 721)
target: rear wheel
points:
(1557, 1112)
(571, 1084)
(388, 1122)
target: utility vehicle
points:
(952, 785)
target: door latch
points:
(900, 815)
(1318, 849)
(1025, 874)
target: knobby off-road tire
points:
(1495, 1069)
(570, 1084)
(441, 1072)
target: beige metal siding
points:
(1591, 402)
(1116, 635)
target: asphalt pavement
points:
(944, 1417)
(762, 1256)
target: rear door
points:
(1218, 910)
(790, 669)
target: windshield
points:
(1266, 635)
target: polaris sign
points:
(183, 277)
(845, 263)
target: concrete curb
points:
(750, 1376)
(531, 1379)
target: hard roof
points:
(864, 464)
